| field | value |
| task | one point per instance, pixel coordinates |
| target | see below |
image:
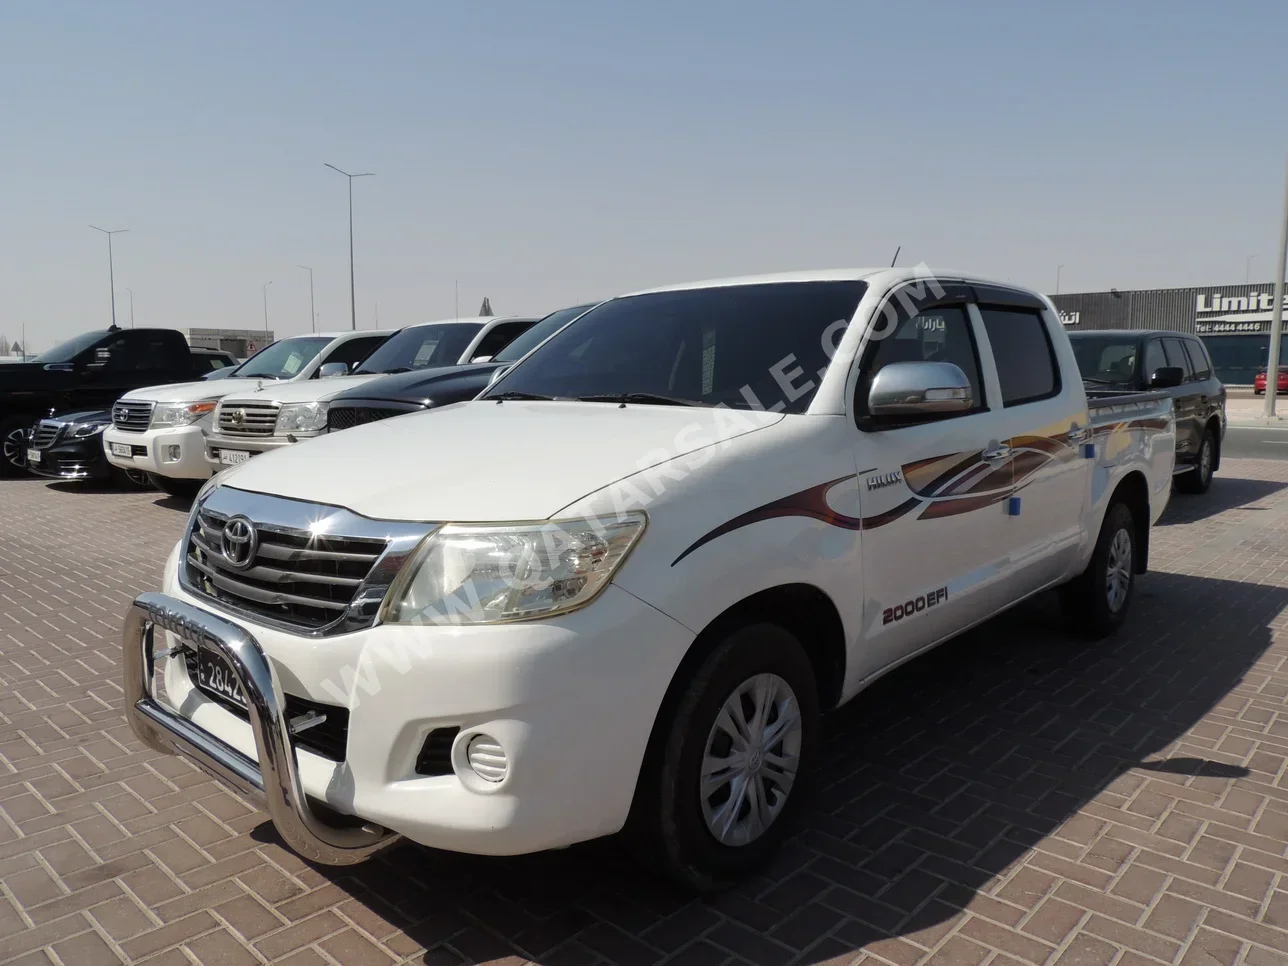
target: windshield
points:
(70, 349)
(538, 334)
(283, 360)
(421, 346)
(1106, 360)
(744, 346)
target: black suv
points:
(1171, 362)
(90, 372)
(410, 392)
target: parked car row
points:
(615, 585)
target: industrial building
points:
(1232, 320)
(243, 343)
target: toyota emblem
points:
(238, 417)
(240, 540)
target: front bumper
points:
(72, 459)
(178, 452)
(572, 701)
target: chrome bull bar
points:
(273, 782)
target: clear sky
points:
(543, 154)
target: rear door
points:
(1044, 421)
(1187, 401)
(931, 493)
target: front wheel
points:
(13, 445)
(720, 787)
(130, 479)
(1199, 479)
(1096, 601)
(174, 487)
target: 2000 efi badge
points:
(914, 606)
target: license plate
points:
(33, 456)
(216, 677)
(232, 457)
(122, 449)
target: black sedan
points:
(411, 392)
(70, 447)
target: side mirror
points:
(481, 359)
(497, 374)
(1165, 377)
(929, 389)
(329, 369)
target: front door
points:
(1185, 402)
(932, 494)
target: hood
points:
(192, 391)
(480, 461)
(84, 416)
(314, 390)
(443, 384)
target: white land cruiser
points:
(617, 591)
(270, 417)
(161, 430)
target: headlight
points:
(81, 430)
(472, 574)
(301, 418)
(180, 414)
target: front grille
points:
(247, 419)
(46, 433)
(133, 417)
(346, 417)
(305, 567)
(328, 739)
(296, 578)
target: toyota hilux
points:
(622, 587)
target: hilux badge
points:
(881, 480)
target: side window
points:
(1154, 359)
(355, 350)
(1022, 349)
(1176, 357)
(939, 334)
(498, 338)
(1199, 361)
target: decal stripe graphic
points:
(811, 503)
(926, 476)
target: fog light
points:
(487, 758)
(172, 454)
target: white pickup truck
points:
(161, 430)
(618, 590)
(270, 417)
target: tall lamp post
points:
(353, 305)
(266, 285)
(111, 271)
(1058, 270)
(131, 291)
(313, 316)
(1277, 316)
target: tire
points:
(13, 445)
(1199, 479)
(175, 487)
(1096, 602)
(130, 479)
(671, 821)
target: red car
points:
(1259, 383)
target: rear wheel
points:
(13, 445)
(1096, 602)
(174, 487)
(1199, 479)
(719, 789)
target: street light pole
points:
(1247, 270)
(131, 291)
(111, 271)
(266, 285)
(353, 304)
(1058, 269)
(313, 318)
(1277, 317)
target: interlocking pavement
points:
(1015, 797)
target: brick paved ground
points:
(1014, 798)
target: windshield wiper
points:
(1099, 382)
(638, 397)
(516, 394)
(390, 372)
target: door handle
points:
(1077, 434)
(999, 452)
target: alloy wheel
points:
(751, 759)
(15, 448)
(1118, 571)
